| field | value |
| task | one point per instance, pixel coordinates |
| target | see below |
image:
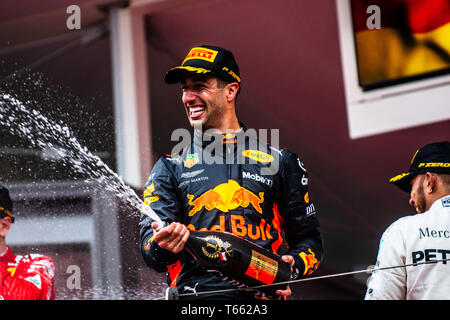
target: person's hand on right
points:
(172, 238)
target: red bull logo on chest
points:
(225, 197)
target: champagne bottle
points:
(240, 260)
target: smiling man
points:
(422, 240)
(210, 84)
(231, 194)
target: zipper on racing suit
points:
(227, 147)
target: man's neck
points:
(227, 123)
(436, 196)
(3, 246)
(222, 129)
(232, 126)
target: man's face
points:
(5, 225)
(203, 100)
(417, 196)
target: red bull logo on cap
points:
(225, 197)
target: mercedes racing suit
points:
(252, 190)
(420, 240)
(29, 277)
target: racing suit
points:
(415, 239)
(29, 277)
(250, 189)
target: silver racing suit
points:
(417, 239)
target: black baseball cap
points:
(207, 60)
(5, 204)
(434, 158)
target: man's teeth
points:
(195, 109)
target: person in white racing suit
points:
(421, 242)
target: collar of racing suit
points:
(442, 202)
(214, 140)
(7, 255)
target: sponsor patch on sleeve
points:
(36, 280)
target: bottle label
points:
(262, 268)
(215, 248)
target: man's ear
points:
(231, 91)
(430, 182)
(5, 225)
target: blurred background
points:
(353, 91)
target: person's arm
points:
(389, 284)
(160, 194)
(300, 222)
